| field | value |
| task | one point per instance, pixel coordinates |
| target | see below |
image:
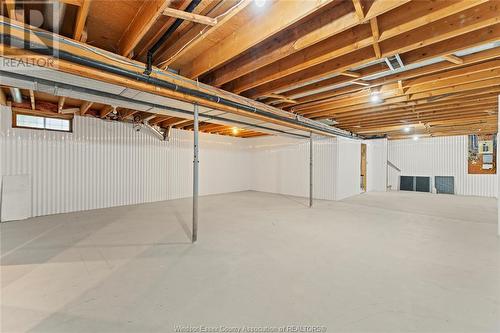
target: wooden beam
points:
(443, 67)
(189, 45)
(452, 45)
(478, 17)
(369, 107)
(32, 99)
(337, 65)
(401, 111)
(455, 109)
(147, 15)
(85, 107)
(77, 3)
(81, 18)
(335, 111)
(182, 123)
(27, 109)
(106, 110)
(453, 59)
(361, 83)
(479, 37)
(391, 95)
(358, 7)
(158, 119)
(3, 98)
(190, 16)
(11, 8)
(350, 74)
(303, 65)
(12, 12)
(60, 103)
(323, 37)
(318, 29)
(124, 114)
(376, 37)
(419, 13)
(249, 35)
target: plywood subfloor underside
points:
(369, 263)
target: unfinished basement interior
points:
(249, 166)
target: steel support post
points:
(196, 164)
(310, 169)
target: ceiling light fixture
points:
(407, 129)
(375, 97)
(260, 3)
(235, 130)
(415, 138)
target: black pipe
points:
(130, 100)
(165, 36)
(64, 55)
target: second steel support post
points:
(196, 163)
(310, 170)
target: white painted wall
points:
(281, 165)
(441, 156)
(104, 164)
(348, 175)
(376, 165)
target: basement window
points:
(41, 122)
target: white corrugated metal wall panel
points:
(104, 164)
(441, 156)
(376, 164)
(348, 168)
(281, 165)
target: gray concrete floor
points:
(378, 262)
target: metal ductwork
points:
(160, 135)
(297, 121)
(77, 92)
(16, 95)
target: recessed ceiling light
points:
(407, 129)
(235, 130)
(415, 137)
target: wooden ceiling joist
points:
(60, 104)
(280, 76)
(140, 25)
(32, 100)
(189, 16)
(106, 111)
(454, 59)
(3, 97)
(319, 59)
(443, 67)
(85, 107)
(250, 35)
(332, 21)
(81, 18)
